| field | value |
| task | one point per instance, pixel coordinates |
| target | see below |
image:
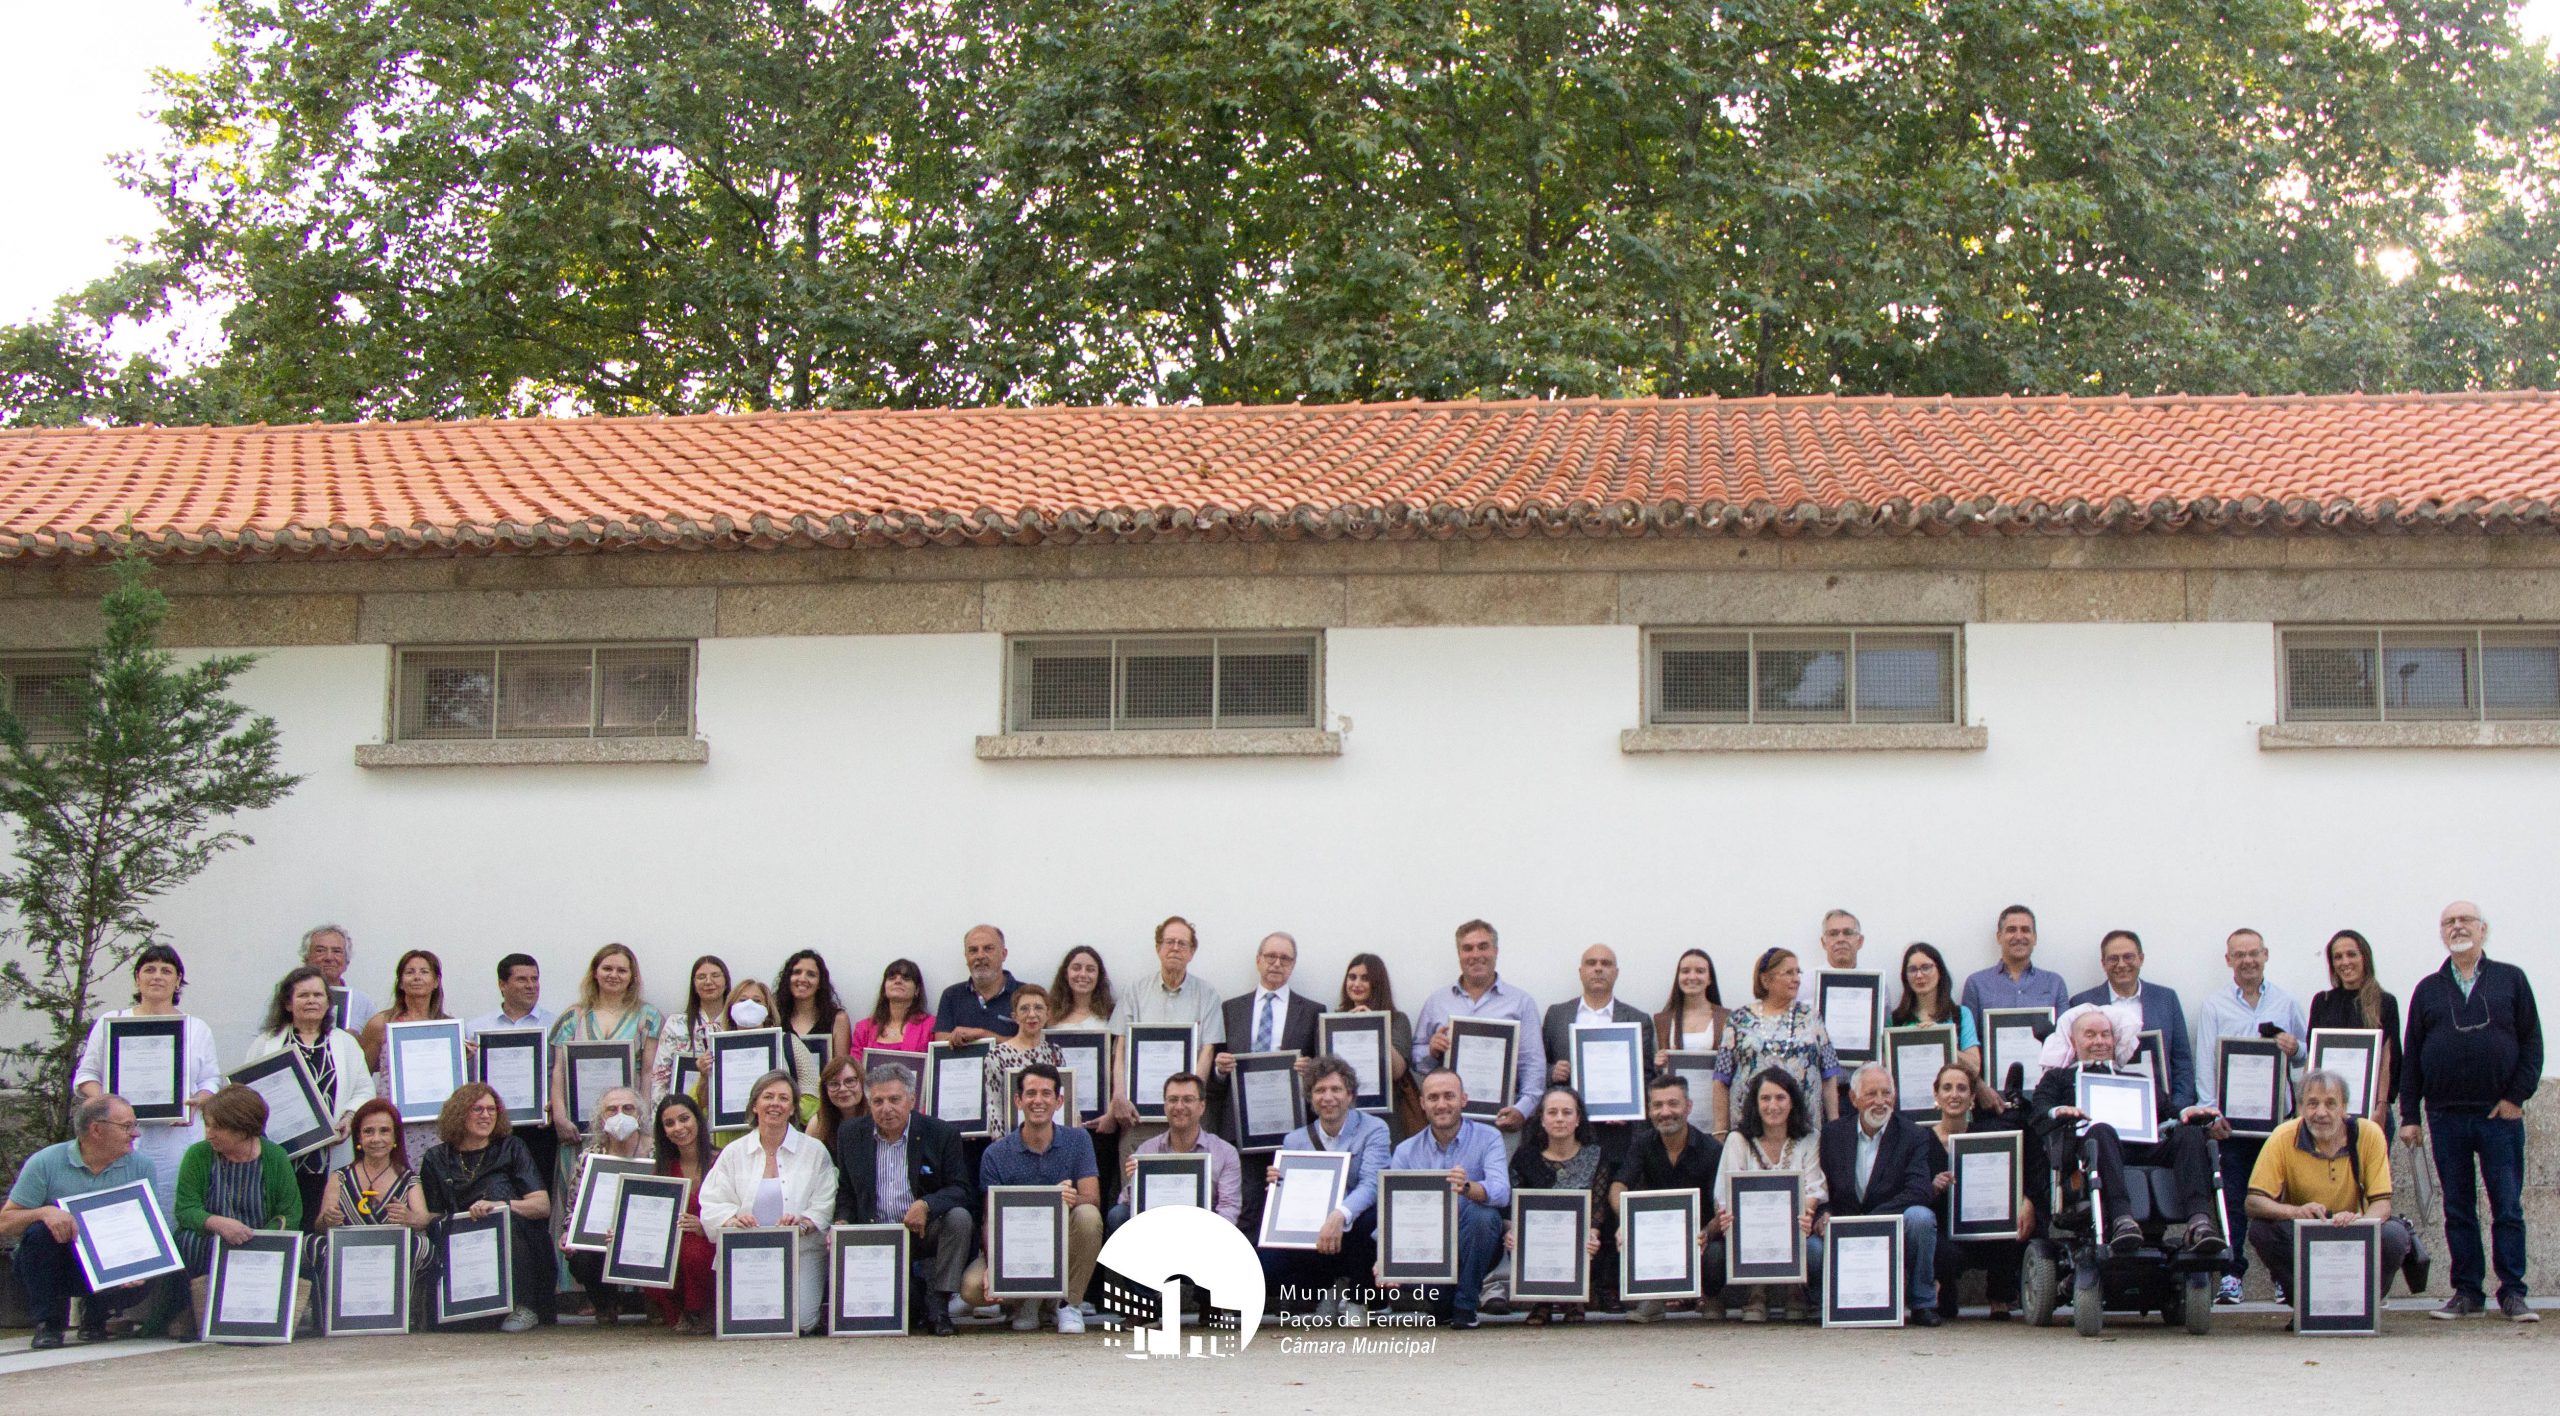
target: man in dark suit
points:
(1599, 1003)
(1271, 1018)
(896, 1166)
(2054, 1116)
(1875, 1162)
(2120, 955)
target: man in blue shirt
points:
(1347, 1247)
(1481, 993)
(2250, 1008)
(2120, 954)
(978, 1008)
(99, 1156)
(1471, 1153)
(2015, 981)
(1041, 1152)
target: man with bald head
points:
(980, 1007)
(1598, 1003)
(2471, 1059)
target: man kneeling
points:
(2324, 1167)
(2098, 1044)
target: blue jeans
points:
(2472, 1150)
(2239, 1157)
(1920, 1255)
(1479, 1249)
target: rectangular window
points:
(2420, 675)
(544, 691)
(1801, 676)
(1130, 683)
(41, 690)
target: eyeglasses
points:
(2451, 920)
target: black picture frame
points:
(593, 1208)
(2091, 1085)
(1547, 1226)
(1358, 1039)
(2266, 1098)
(528, 1047)
(684, 1076)
(1417, 1203)
(294, 1104)
(1070, 1087)
(1255, 1129)
(1593, 1046)
(456, 1235)
(821, 1047)
(1466, 1037)
(1846, 985)
(131, 1214)
(410, 1087)
(2327, 1048)
(1193, 1167)
(1905, 1049)
(386, 1254)
(647, 1210)
(590, 1069)
(737, 1059)
(1698, 1068)
(914, 1062)
(2320, 1251)
(2151, 1058)
(1087, 1051)
(2014, 1035)
(1743, 1192)
(1147, 1060)
(1653, 1208)
(956, 1086)
(266, 1269)
(1016, 1255)
(735, 1246)
(339, 997)
(861, 1258)
(1327, 1173)
(129, 1041)
(1856, 1237)
(1972, 1158)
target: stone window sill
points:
(1806, 737)
(2286, 737)
(534, 752)
(1228, 742)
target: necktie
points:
(1262, 1029)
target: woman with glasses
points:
(478, 1168)
(1779, 1030)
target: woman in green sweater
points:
(231, 1183)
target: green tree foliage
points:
(140, 763)
(445, 207)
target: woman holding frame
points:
(1695, 1019)
(159, 977)
(684, 1149)
(477, 1168)
(2000, 1260)
(610, 1009)
(417, 996)
(1367, 989)
(1779, 1030)
(300, 1017)
(806, 1005)
(687, 1034)
(1568, 1157)
(1776, 1133)
(1929, 999)
(1081, 997)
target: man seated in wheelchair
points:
(2103, 1039)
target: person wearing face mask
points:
(2102, 1039)
(684, 1150)
(1874, 1162)
(159, 976)
(776, 1177)
(615, 1133)
(2474, 1059)
(751, 1007)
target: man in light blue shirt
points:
(2250, 1008)
(99, 1156)
(2120, 954)
(1481, 993)
(1471, 1153)
(1347, 1247)
(2015, 981)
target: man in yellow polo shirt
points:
(2324, 1167)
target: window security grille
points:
(1138, 682)
(41, 690)
(545, 691)
(2420, 675)
(1801, 676)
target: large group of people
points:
(837, 1134)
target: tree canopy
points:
(436, 208)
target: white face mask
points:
(746, 1013)
(622, 1125)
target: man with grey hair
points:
(2323, 1167)
(1875, 1162)
(329, 948)
(1272, 1018)
(895, 1165)
(2471, 1059)
(99, 1156)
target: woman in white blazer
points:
(778, 1176)
(158, 977)
(298, 1018)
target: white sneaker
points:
(521, 1320)
(1354, 1315)
(1026, 1316)
(1069, 1320)
(1651, 1310)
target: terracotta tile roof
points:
(1793, 466)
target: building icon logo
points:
(1175, 1265)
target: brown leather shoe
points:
(2203, 1241)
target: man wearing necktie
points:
(1271, 1018)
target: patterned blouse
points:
(1003, 1061)
(1794, 1042)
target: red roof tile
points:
(1788, 466)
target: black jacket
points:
(2061, 1087)
(1556, 1030)
(1296, 1029)
(2469, 1054)
(937, 1169)
(1900, 1179)
(1648, 1165)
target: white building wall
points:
(843, 806)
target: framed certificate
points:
(737, 1060)
(685, 1077)
(476, 1272)
(1362, 1040)
(820, 1046)
(516, 1064)
(2355, 1054)
(912, 1061)
(1157, 1051)
(2124, 1100)
(758, 1278)
(1862, 1271)
(593, 1068)
(364, 1289)
(1852, 1008)
(1608, 1070)
(1766, 1242)
(423, 1063)
(1269, 1103)
(955, 1085)
(2014, 1037)
(647, 1229)
(2250, 1073)
(1417, 1227)
(251, 1297)
(147, 1066)
(1309, 1190)
(338, 996)
(1658, 1232)
(867, 1289)
(1551, 1232)
(2337, 1279)
(1698, 1069)
(1070, 1087)
(592, 1209)
(2151, 1059)
(1169, 1181)
(1087, 1053)
(1485, 1053)
(297, 1119)
(1026, 1242)
(1988, 1190)
(1914, 1055)
(121, 1236)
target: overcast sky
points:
(74, 81)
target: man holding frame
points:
(1598, 1003)
(1673, 1154)
(1347, 1245)
(1470, 1152)
(1481, 993)
(2323, 1167)
(895, 1165)
(99, 1156)
(1041, 1152)
(1185, 1107)
(1875, 1162)
(2095, 1045)
(2252, 1007)
(520, 1006)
